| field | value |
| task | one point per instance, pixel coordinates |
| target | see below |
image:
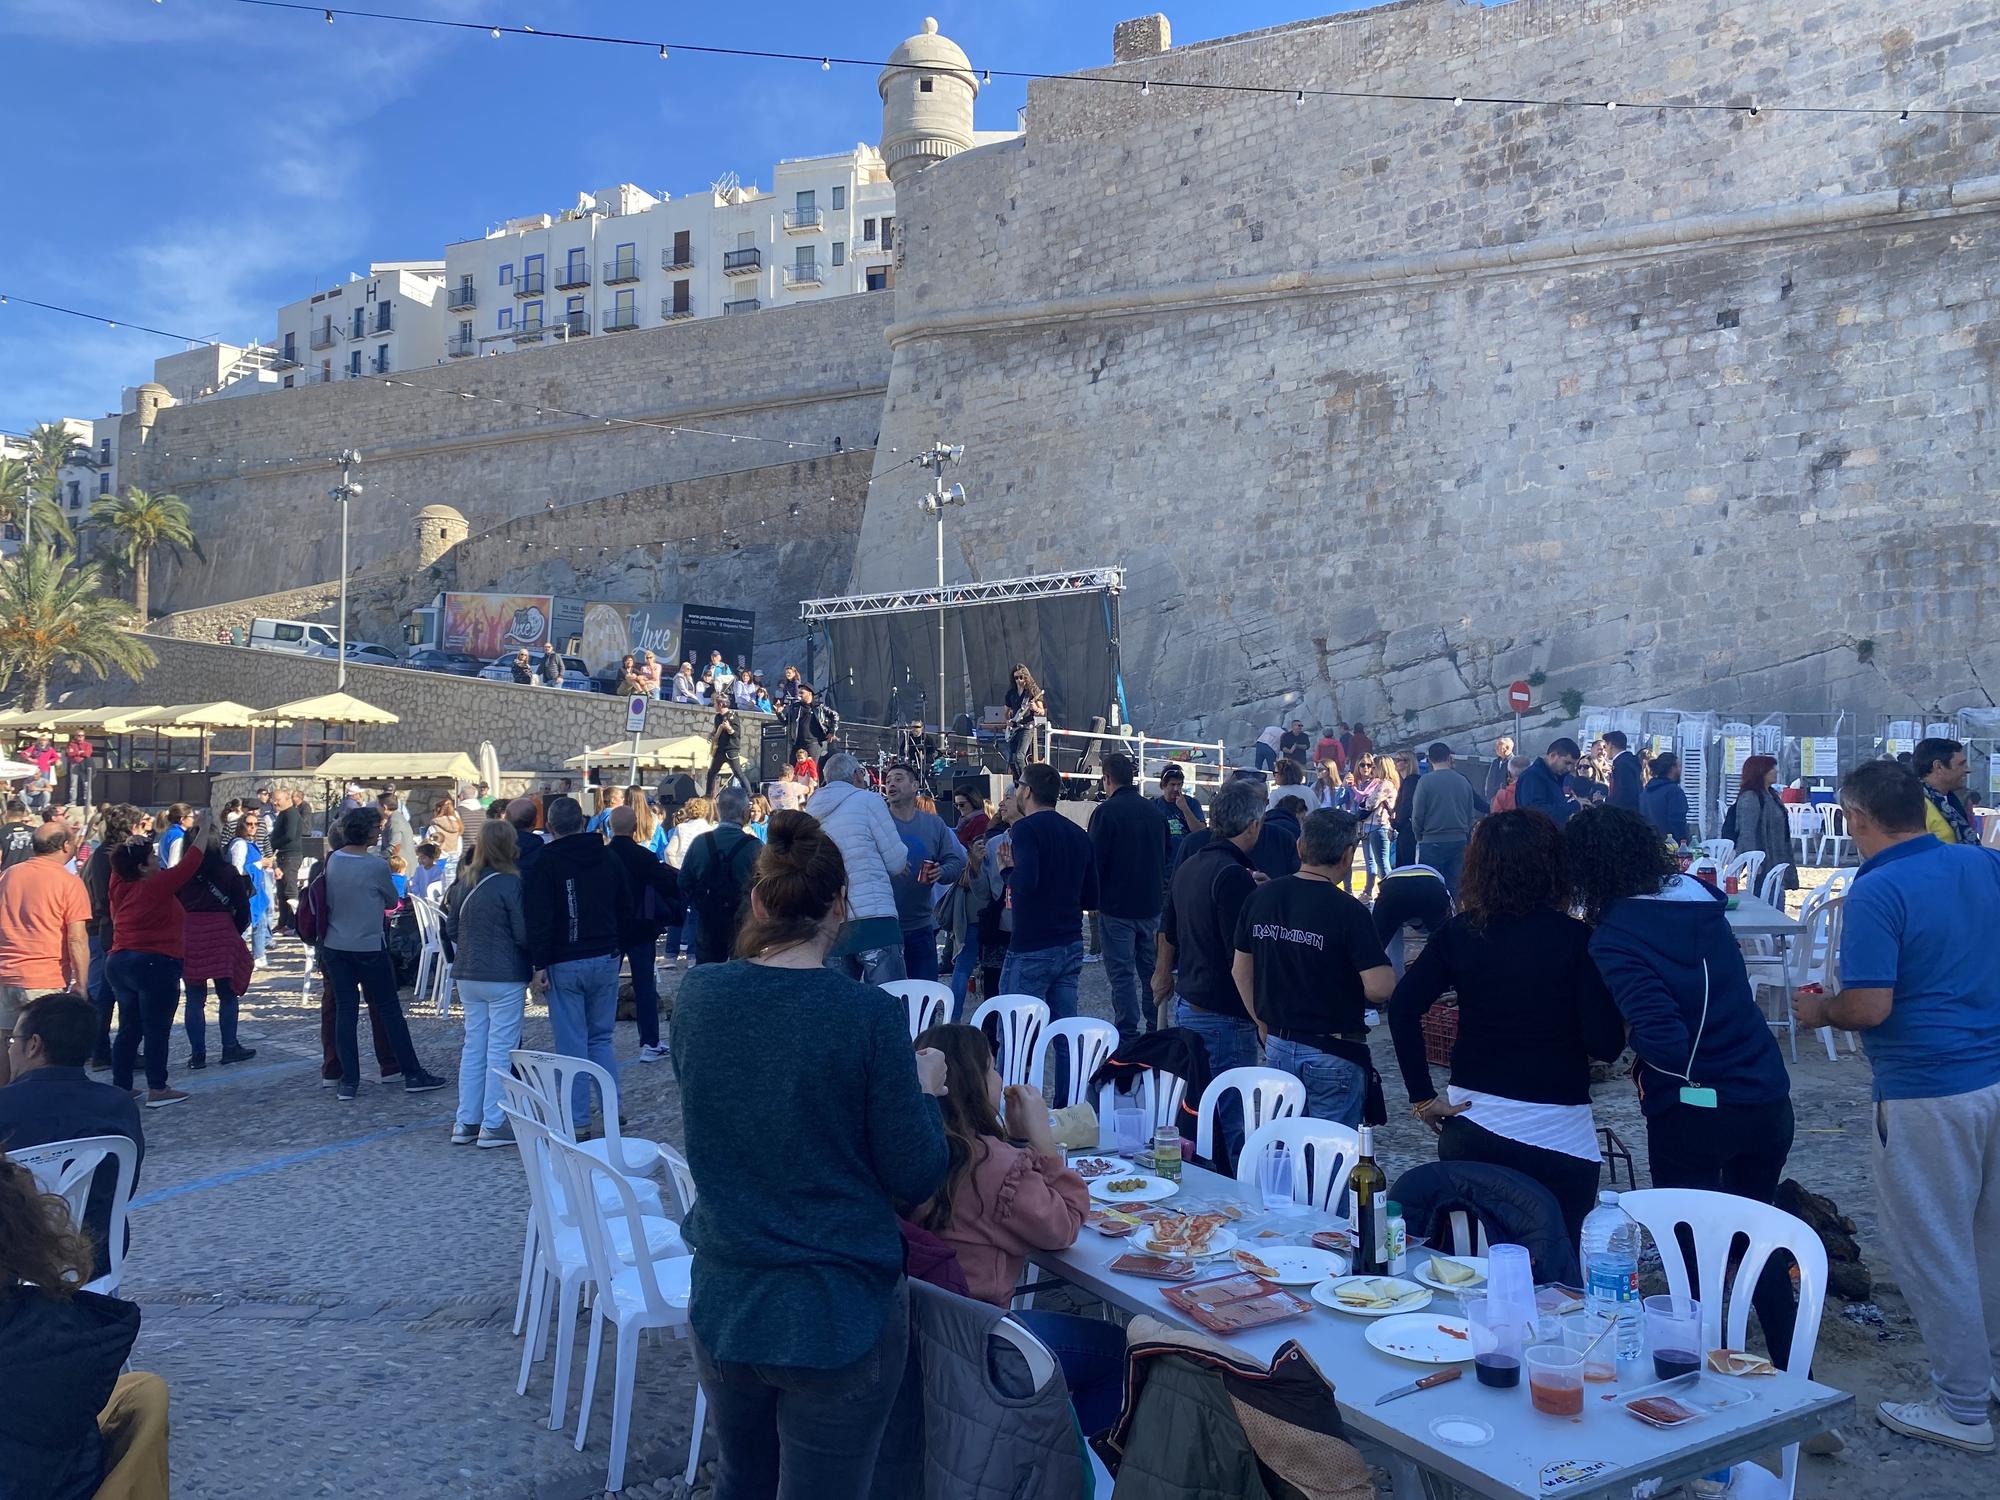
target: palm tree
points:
(13, 491)
(50, 446)
(137, 522)
(54, 616)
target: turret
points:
(927, 93)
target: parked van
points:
(299, 637)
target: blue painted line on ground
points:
(279, 1163)
(214, 1073)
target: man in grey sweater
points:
(936, 860)
(1442, 814)
(355, 956)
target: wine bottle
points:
(1368, 1190)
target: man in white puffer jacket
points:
(870, 946)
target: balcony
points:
(527, 331)
(378, 364)
(578, 324)
(325, 336)
(461, 344)
(461, 297)
(803, 273)
(385, 321)
(621, 318)
(285, 357)
(529, 284)
(677, 260)
(746, 262)
(748, 304)
(616, 271)
(804, 220)
(669, 313)
(573, 276)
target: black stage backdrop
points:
(1069, 641)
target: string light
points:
(826, 62)
(663, 52)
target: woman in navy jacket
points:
(1712, 1086)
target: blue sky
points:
(193, 164)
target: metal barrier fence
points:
(1152, 754)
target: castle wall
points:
(256, 471)
(1388, 404)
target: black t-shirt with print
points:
(17, 842)
(1310, 941)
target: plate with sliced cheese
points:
(1449, 1273)
(1371, 1296)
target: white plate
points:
(1420, 1268)
(1300, 1265)
(1153, 1191)
(1421, 1337)
(1220, 1243)
(1417, 1297)
(1120, 1166)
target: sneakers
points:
(653, 1054)
(1930, 1421)
(196, 1064)
(421, 1083)
(326, 1082)
(463, 1135)
(238, 1054)
(504, 1136)
(345, 1093)
(161, 1098)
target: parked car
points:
(457, 663)
(576, 676)
(372, 654)
(295, 637)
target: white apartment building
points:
(91, 471)
(391, 319)
(625, 258)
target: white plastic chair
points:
(1323, 1153)
(1267, 1095)
(1744, 868)
(680, 1176)
(1771, 889)
(1156, 1092)
(1022, 1019)
(1722, 851)
(634, 1297)
(1838, 882)
(563, 1250)
(66, 1169)
(430, 928)
(1086, 1042)
(1834, 839)
(1715, 1221)
(927, 1002)
(554, 1076)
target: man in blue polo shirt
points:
(1921, 981)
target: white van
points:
(299, 637)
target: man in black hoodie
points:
(577, 902)
(1131, 840)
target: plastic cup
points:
(1673, 1333)
(1498, 1335)
(1510, 1278)
(1128, 1130)
(1274, 1178)
(1580, 1331)
(1555, 1380)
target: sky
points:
(194, 164)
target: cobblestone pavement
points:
(329, 1288)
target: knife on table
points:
(1440, 1378)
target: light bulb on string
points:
(663, 52)
(826, 65)
(1458, 101)
(1145, 85)
(329, 18)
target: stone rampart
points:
(257, 471)
(1388, 404)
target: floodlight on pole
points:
(934, 505)
(343, 493)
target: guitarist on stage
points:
(1025, 709)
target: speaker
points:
(675, 788)
(774, 752)
(993, 788)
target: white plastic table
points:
(1783, 1409)
(1752, 917)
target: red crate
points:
(1440, 1032)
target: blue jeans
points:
(1445, 856)
(1232, 1043)
(920, 953)
(1091, 1352)
(1335, 1088)
(962, 967)
(1050, 975)
(1128, 964)
(492, 1030)
(147, 986)
(583, 1014)
(196, 1024)
(1378, 851)
(101, 997)
(260, 934)
(1267, 758)
(686, 932)
(645, 990)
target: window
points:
(360, 321)
(682, 302)
(531, 315)
(878, 278)
(354, 362)
(381, 359)
(75, 493)
(806, 202)
(840, 252)
(888, 232)
(383, 319)
(104, 444)
(104, 480)
(574, 305)
(291, 355)
(507, 274)
(839, 198)
(683, 249)
(575, 267)
(746, 239)
(625, 309)
(924, 86)
(506, 318)
(867, 231)
(288, 382)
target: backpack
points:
(718, 894)
(312, 914)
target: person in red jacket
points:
(148, 944)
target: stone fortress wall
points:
(256, 471)
(1394, 403)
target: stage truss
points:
(1004, 590)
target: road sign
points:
(635, 713)
(1519, 698)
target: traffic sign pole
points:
(635, 722)
(1519, 697)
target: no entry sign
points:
(1518, 697)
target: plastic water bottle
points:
(1611, 1272)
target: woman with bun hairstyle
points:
(808, 1118)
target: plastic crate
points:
(1440, 1032)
